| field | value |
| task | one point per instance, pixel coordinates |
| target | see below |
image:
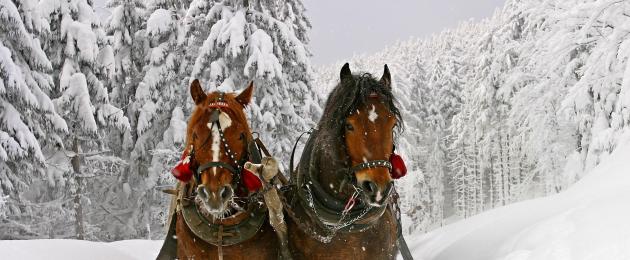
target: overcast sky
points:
(342, 28)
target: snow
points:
(78, 249)
(587, 221)
(261, 54)
(160, 22)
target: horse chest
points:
(377, 242)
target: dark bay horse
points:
(339, 206)
(217, 215)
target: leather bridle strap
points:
(223, 165)
(371, 164)
(239, 164)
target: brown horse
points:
(217, 216)
(340, 206)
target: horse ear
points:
(345, 73)
(386, 79)
(197, 92)
(246, 96)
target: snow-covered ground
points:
(52, 249)
(591, 220)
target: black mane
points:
(324, 154)
(349, 95)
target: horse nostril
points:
(201, 191)
(226, 192)
(369, 187)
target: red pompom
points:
(183, 171)
(251, 181)
(398, 166)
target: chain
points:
(309, 229)
(334, 228)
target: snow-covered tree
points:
(125, 27)
(73, 47)
(160, 100)
(28, 120)
(263, 41)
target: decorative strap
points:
(371, 164)
(223, 165)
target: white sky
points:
(342, 28)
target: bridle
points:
(326, 209)
(237, 168)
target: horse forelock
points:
(234, 110)
(351, 95)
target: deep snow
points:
(52, 249)
(590, 220)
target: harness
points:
(219, 234)
(236, 171)
(331, 214)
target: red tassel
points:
(399, 169)
(183, 170)
(251, 181)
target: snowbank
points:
(590, 220)
(52, 249)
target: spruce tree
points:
(73, 48)
(28, 119)
(263, 41)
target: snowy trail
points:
(51, 249)
(590, 220)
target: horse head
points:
(218, 134)
(362, 113)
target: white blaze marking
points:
(372, 114)
(379, 196)
(225, 122)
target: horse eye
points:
(349, 127)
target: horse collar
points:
(220, 234)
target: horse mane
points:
(349, 95)
(323, 153)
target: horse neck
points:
(328, 164)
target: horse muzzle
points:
(375, 195)
(215, 201)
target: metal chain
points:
(333, 228)
(304, 226)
